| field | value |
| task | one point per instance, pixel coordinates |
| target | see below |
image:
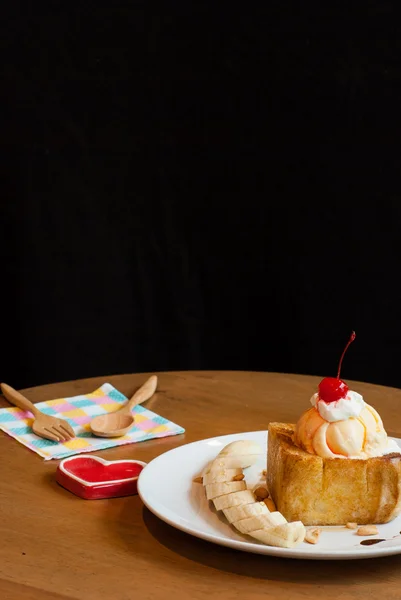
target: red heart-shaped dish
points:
(92, 477)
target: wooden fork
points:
(44, 426)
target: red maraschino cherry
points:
(332, 389)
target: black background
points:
(200, 186)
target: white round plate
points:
(167, 489)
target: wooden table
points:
(57, 546)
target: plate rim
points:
(251, 547)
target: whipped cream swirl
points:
(350, 406)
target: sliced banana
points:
(236, 455)
(238, 503)
(234, 499)
(214, 490)
(241, 447)
(242, 453)
(238, 461)
(259, 522)
(221, 474)
(237, 513)
(286, 535)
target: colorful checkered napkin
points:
(79, 411)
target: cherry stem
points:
(351, 339)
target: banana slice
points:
(237, 513)
(286, 535)
(235, 461)
(238, 503)
(259, 522)
(241, 447)
(221, 474)
(234, 499)
(240, 454)
(224, 462)
(214, 490)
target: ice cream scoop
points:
(353, 437)
(341, 424)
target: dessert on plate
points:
(336, 464)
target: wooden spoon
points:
(44, 426)
(119, 422)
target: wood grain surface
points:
(55, 545)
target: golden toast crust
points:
(330, 491)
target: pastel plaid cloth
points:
(79, 411)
